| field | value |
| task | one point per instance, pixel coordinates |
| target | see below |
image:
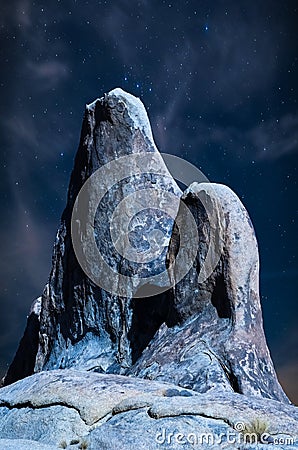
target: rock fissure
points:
(12, 406)
(155, 415)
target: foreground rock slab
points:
(24, 444)
(114, 412)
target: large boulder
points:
(69, 408)
(149, 333)
(105, 411)
(214, 338)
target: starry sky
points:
(219, 80)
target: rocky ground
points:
(76, 409)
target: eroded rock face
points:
(215, 339)
(78, 324)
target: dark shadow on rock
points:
(220, 299)
(148, 313)
(24, 360)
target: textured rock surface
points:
(117, 412)
(76, 323)
(63, 405)
(195, 358)
(209, 333)
(24, 444)
(217, 341)
(197, 422)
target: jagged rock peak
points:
(119, 99)
(78, 323)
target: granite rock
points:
(110, 412)
(214, 338)
(24, 444)
(160, 357)
(76, 323)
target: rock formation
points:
(154, 346)
(76, 323)
(215, 339)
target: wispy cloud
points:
(23, 14)
(169, 114)
(266, 141)
(22, 130)
(275, 138)
(47, 74)
(219, 69)
(236, 47)
(44, 63)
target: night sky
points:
(219, 80)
